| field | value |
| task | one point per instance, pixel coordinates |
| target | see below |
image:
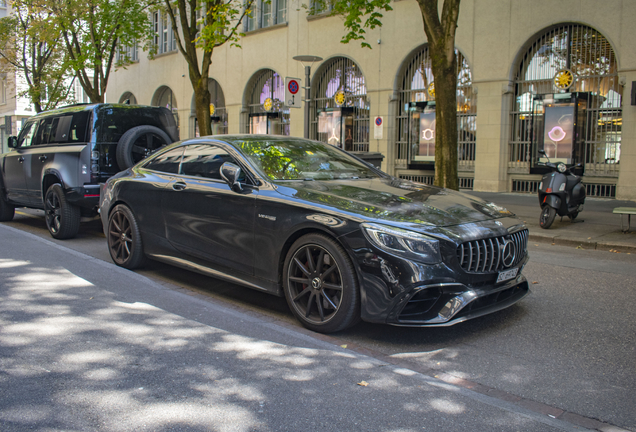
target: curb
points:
(585, 244)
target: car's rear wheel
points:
(124, 238)
(138, 143)
(7, 211)
(62, 217)
(547, 216)
(320, 284)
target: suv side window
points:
(60, 128)
(167, 162)
(202, 160)
(44, 131)
(26, 135)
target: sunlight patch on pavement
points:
(9, 263)
(447, 406)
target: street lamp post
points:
(304, 59)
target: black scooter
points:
(560, 192)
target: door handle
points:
(43, 158)
(179, 186)
(21, 159)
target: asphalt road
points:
(570, 345)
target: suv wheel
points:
(7, 211)
(138, 143)
(62, 217)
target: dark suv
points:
(61, 156)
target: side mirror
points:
(12, 141)
(542, 152)
(231, 173)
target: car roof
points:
(90, 107)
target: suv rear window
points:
(115, 122)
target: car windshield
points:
(302, 160)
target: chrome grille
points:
(484, 256)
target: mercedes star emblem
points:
(508, 253)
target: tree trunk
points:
(202, 105)
(445, 74)
(441, 47)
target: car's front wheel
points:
(320, 284)
(62, 217)
(7, 211)
(124, 238)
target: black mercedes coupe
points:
(340, 239)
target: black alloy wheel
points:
(547, 216)
(7, 211)
(138, 143)
(320, 284)
(62, 218)
(124, 238)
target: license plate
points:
(507, 274)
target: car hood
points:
(394, 200)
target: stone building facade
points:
(531, 75)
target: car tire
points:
(320, 284)
(547, 216)
(138, 143)
(124, 238)
(62, 217)
(7, 211)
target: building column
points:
(493, 130)
(626, 186)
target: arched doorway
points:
(264, 99)
(339, 105)
(165, 97)
(567, 102)
(128, 98)
(415, 142)
(218, 112)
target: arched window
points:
(339, 105)
(573, 68)
(416, 113)
(218, 112)
(165, 97)
(265, 95)
(128, 98)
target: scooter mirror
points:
(542, 152)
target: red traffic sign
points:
(378, 121)
(293, 86)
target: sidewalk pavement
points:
(596, 227)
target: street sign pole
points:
(307, 99)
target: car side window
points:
(167, 162)
(44, 132)
(203, 160)
(60, 129)
(26, 135)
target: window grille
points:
(416, 77)
(591, 58)
(340, 74)
(127, 53)
(265, 85)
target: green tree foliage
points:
(362, 15)
(91, 32)
(200, 26)
(30, 45)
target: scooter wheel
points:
(547, 217)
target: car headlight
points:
(561, 167)
(407, 244)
